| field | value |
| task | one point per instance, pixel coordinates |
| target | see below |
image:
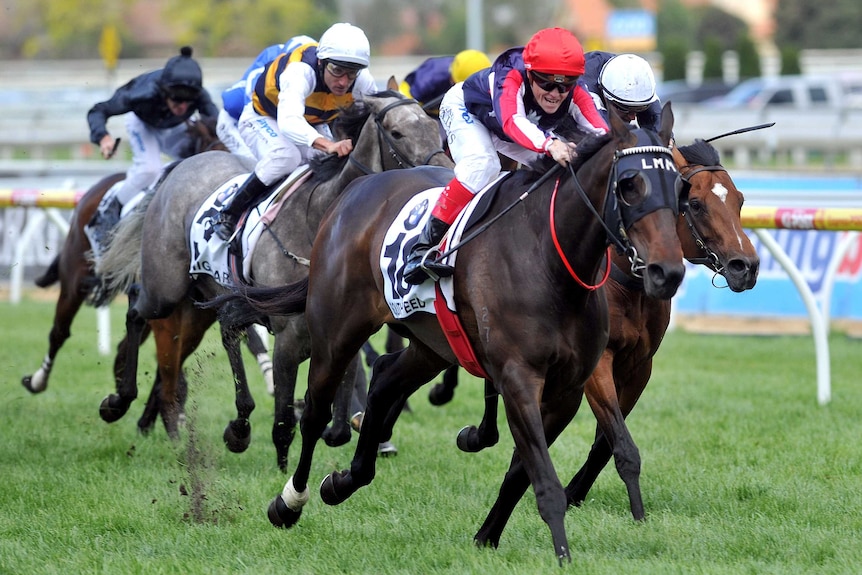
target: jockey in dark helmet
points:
(156, 106)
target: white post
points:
(818, 330)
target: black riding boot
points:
(103, 223)
(249, 192)
(415, 272)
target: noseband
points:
(392, 148)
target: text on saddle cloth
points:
(210, 254)
(405, 299)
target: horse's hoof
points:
(468, 440)
(27, 382)
(387, 449)
(280, 515)
(237, 435)
(336, 437)
(440, 394)
(112, 408)
(328, 488)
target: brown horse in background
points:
(73, 268)
(537, 328)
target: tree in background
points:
(224, 28)
(815, 24)
(790, 61)
(674, 28)
(749, 58)
(712, 54)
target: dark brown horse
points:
(711, 234)
(74, 269)
(537, 328)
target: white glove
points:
(561, 152)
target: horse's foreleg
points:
(168, 334)
(443, 392)
(533, 433)
(393, 378)
(338, 433)
(288, 352)
(115, 405)
(237, 434)
(68, 304)
(612, 438)
(472, 439)
(516, 482)
(256, 337)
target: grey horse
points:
(389, 132)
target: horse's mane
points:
(347, 125)
(700, 153)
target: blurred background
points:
(724, 65)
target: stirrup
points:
(434, 269)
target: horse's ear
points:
(392, 84)
(678, 158)
(665, 131)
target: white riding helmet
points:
(627, 81)
(346, 45)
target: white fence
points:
(822, 137)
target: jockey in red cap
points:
(511, 108)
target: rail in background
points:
(47, 202)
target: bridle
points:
(618, 215)
(391, 148)
(711, 260)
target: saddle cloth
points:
(210, 254)
(437, 298)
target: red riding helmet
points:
(554, 51)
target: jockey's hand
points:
(107, 146)
(341, 148)
(562, 152)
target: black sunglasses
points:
(557, 82)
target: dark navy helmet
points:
(182, 79)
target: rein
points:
(562, 255)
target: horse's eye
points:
(695, 206)
(397, 135)
(631, 190)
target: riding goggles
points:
(340, 71)
(559, 82)
(630, 108)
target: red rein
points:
(563, 256)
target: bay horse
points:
(711, 235)
(389, 132)
(536, 326)
(74, 269)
